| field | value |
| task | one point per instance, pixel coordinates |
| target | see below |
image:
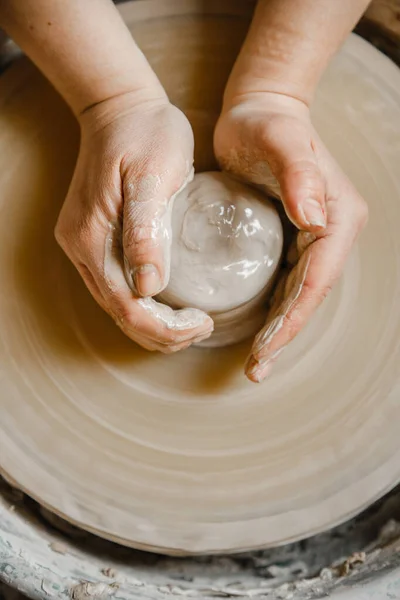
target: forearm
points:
(289, 45)
(83, 48)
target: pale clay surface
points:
(181, 453)
(226, 246)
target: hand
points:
(115, 222)
(268, 139)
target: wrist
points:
(255, 75)
(124, 77)
(281, 53)
(104, 112)
(267, 103)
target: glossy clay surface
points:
(181, 453)
(226, 248)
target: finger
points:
(306, 287)
(294, 164)
(148, 202)
(185, 345)
(149, 327)
(176, 326)
(164, 346)
(147, 322)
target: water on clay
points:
(82, 565)
(226, 248)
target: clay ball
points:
(226, 248)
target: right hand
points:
(268, 139)
(115, 222)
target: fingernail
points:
(147, 280)
(312, 213)
(257, 371)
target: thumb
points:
(147, 235)
(294, 164)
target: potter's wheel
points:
(181, 452)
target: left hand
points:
(267, 139)
(115, 222)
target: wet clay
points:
(180, 453)
(227, 243)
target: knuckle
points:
(61, 235)
(66, 238)
(125, 318)
(73, 237)
(307, 173)
(314, 293)
(136, 236)
(317, 294)
(146, 242)
(86, 273)
(308, 289)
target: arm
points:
(265, 136)
(83, 48)
(136, 152)
(289, 45)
